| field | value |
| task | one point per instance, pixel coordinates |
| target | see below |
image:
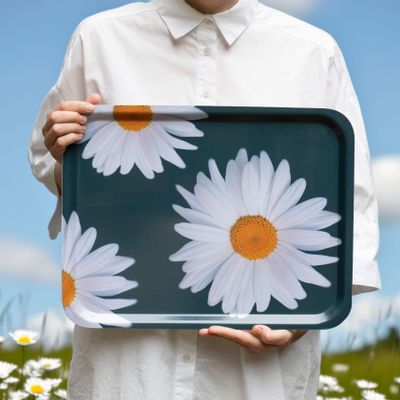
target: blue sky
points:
(33, 38)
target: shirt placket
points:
(207, 47)
(186, 354)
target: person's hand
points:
(66, 124)
(257, 340)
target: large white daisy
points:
(88, 274)
(122, 136)
(249, 236)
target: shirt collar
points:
(181, 18)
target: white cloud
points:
(57, 329)
(22, 259)
(386, 173)
(292, 6)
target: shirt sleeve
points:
(366, 276)
(70, 85)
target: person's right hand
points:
(66, 124)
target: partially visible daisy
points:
(61, 393)
(87, 275)
(53, 382)
(1, 339)
(18, 395)
(250, 236)
(328, 384)
(338, 367)
(397, 379)
(49, 364)
(372, 395)
(6, 368)
(122, 136)
(3, 386)
(364, 384)
(32, 368)
(11, 380)
(394, 389)
(24, 337)
(38, 387)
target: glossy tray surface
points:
(186, 217)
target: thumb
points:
(94, 98)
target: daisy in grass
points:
(329, 384)
(18, 395)
(364, 384)
(249, 236)
(88, 274)
(339, 368)
(372, 395)
(6, 368)
(24, 337)
(10, 380)
(37, 387)
(32, 368)
(49, 364)
(61, 393)
(1, 339)
(397, 379)
(122, 136)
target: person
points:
(200, 52)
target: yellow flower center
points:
(37, 389)
(68, 289)
(132, 118)
(24, 340)
(253, 237)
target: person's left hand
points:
(257, 340)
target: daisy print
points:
(123, 136)
(87, 275)
(250, 237)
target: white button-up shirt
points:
(166, 52)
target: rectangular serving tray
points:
(186, 217)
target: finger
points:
(277, 337)
(82, 107)
(59, 130)
(243, 338)
(62, 142)
(94, 98)
(59, 117)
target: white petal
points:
(219, 285)
(142, 160)
(175, 142)
(321, 220)
(246, 297)
(165, 149)
(105, 304)
(300, 213)
(94, 261)
(128, 156)
(196, 250)
(262, 294)
(77, 319)
(250, 186)
(234, 187)
(216, 256)
(304, 272)
(311, 259)
(105, 285)
(289, 198)
(266, 175)
(151, 150)
(93, 127)
(113, 161)
(308, 240)
(202, 232)
(71, 235)
(190, 198)
(215, 175)
(82, 247)
(280, 183)
(198, 217)
(179, 127)
(241, 158)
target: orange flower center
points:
(68, 289)
(37, 389)
(253, 237)
(132, 118)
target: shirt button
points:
(205, 93)
(186, 357)
(206, 51)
